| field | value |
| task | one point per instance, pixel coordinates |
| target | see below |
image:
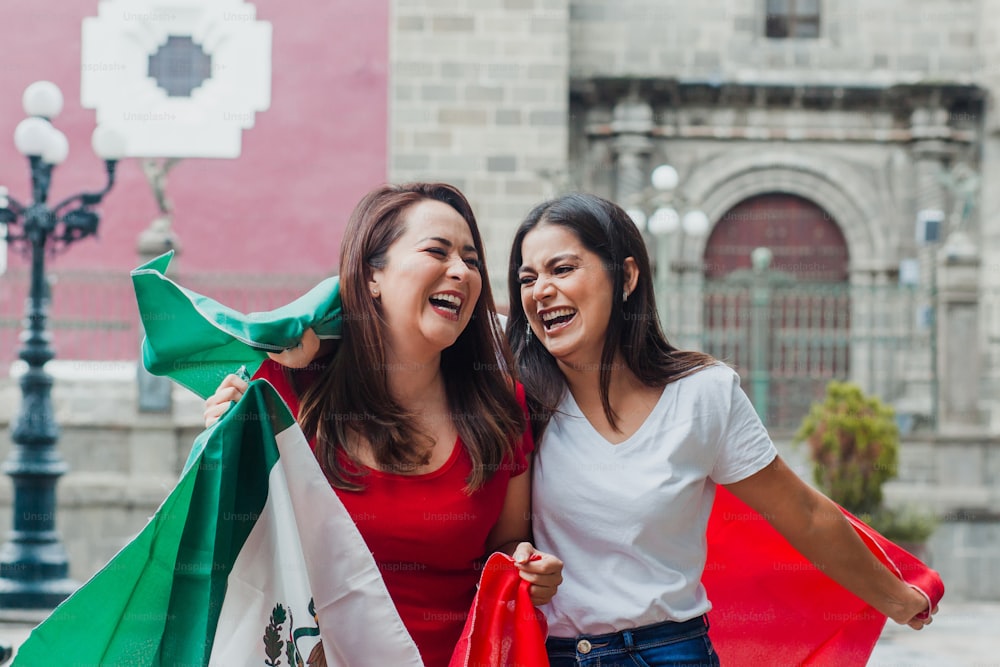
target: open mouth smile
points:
(447, 304)
(557, 318)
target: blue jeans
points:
(666, 644)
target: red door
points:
(805, 239)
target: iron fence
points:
(789, 339)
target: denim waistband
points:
(646, 636)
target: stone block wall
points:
(479, 98)
(883, 41)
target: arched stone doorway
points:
(804, 239)
(786, 329)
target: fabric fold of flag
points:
(771, 606)
(251, 560)
(197, 341)
(503, 628)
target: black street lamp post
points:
(34, 569)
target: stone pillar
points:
(760, 332)
(691, 296)
(632, 127)
(154, 391)
(957, 322)
(882, 360)
(597, 168)
(631, 141)
(931, 151)
(863, 306)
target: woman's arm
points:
(512, 534)
(815, 526)
(308, 349)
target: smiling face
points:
(431, 281)
(566, 294)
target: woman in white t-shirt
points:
(633, 436)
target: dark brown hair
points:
(353, 397)
(634, 327)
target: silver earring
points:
(527, 329)
(625, 296)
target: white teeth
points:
(553, 314)
(449, 298)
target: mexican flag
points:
(252, 559)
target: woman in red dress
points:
(424, 443)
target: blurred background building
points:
(856, 140)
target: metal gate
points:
(788, 339)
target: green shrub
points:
(854, 446)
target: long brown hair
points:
(353, 397)
(634, 327)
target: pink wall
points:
(281, 206)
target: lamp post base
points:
(33, 573)
(34, 594)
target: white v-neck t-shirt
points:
(629, 520)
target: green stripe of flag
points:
(233, 478)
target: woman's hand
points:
(542, 570)
(230, 391)
(302, 354)
(915, 610)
